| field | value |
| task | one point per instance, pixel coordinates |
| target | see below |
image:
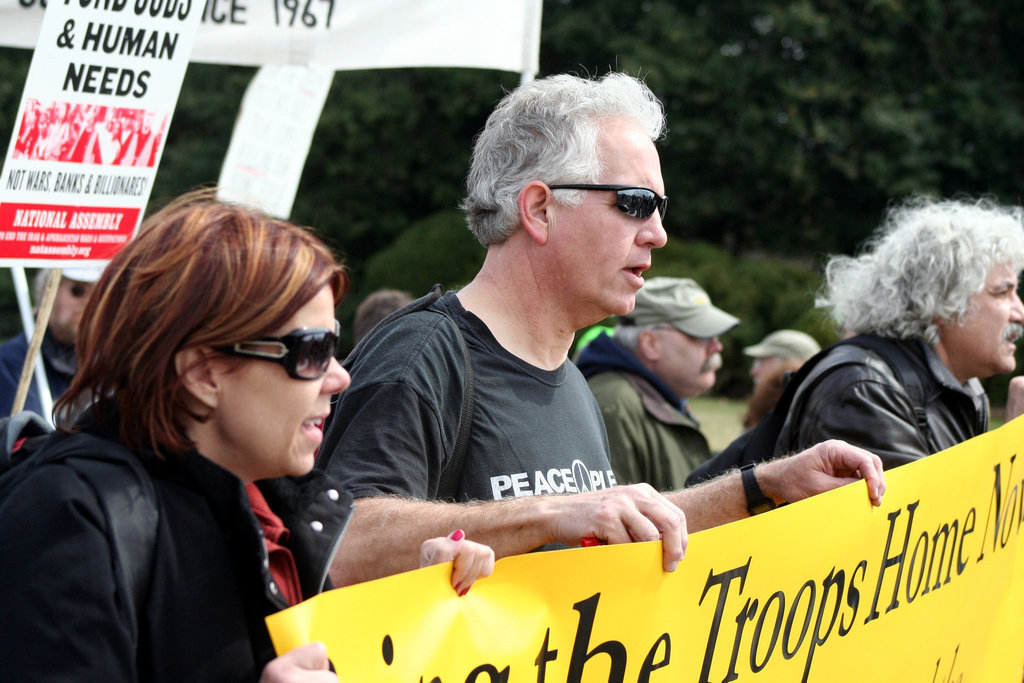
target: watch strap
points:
(757, 502)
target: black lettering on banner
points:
(15, 179)
(888, 562)
(544, 656)
(649, 664)
(944, 531)
(615, 650)
(780, 598)
(106, 80)
(746, 614)
(492, 672)
(215, 11)
(723, 580)
(167, 9)
(1002, 516)
(129, 41)
(304, 12)
(837, 580)
(66, 37)
(949, 677)
(961, 563)
(853, 596)
(911, 595)
(38, 181)
(787, 652)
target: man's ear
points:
(535, 203)
(199, 375)
(648, 346)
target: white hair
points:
(924, 265)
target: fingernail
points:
(457, 535)
(589, 542)
(463, 591)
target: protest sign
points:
(927, 587)
(91, 127)
(354, 34)
(272, 136)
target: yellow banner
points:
(927, 587)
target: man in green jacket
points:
(665, 352)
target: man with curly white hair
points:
(937, 282)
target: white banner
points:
(341, 34)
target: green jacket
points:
(651, 441)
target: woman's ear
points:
(535, 203)
(200, 376)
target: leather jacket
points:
(858, 399)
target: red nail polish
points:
(590, 541)
(457, 535)
(463, 591)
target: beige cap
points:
(82, 273)
(785, 344)
(681, 303)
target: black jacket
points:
(859, 400)
(209, 588)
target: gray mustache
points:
(1013, 332)
(713, 363)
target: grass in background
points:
(719, 419)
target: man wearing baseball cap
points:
(58, 349)
(780, 352)
(778, 347)
(663, 353)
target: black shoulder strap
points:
(423, 303)
(908, 366)
(758, 443)
(452, 471)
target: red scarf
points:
(282, 562)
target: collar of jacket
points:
(603, 354)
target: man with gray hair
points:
(665, 352)
(938, 283)
(565, 193)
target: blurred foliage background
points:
(792, 125)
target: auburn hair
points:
(200, 273)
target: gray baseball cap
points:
(681, 303)
(786, 344)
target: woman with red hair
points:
(207, 351)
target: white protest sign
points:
(272, 136)
(91, 127)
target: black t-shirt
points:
(534, 431)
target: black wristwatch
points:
(757, 502)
